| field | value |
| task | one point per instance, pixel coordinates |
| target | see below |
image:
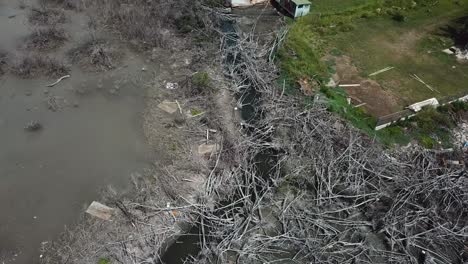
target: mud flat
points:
(90, 136)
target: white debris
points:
(172, 86)
(449, 51)
(331, 83)
(168, 106)
(205, 149)
(429, 102)
(350, 85)
(100, 211)
(381, 71)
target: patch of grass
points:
(46, 16)
(200, 83)
(35, 65)
(337, 102)
(195, 112)
(45, 39)
(377, 41)
(430, 127)
(104, 261)
(95, 55)
(201, 79)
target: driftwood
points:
(59, 80)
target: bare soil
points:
(378, 101)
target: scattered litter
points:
(453, 162)
(100, 211)
(33, 126)
(172, 86)
(350, 85)
(429, 102)
(306, 86)
(331, 83)
(359, 105)
(168, 106)
(59, 80)
(381, 71)
(449, 51)
(425, 84)
(205, 149)
(459, 53)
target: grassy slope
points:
(358, 28)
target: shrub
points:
(95, 54)
(201, 79)
(46, 16)
(46, 38)
(33, 65)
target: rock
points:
(100, 211)
(75, 104)
(205, 149)
(168, 106)
(33, 126)
(28, 93)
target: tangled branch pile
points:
(310, 189)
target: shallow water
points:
(93, 139)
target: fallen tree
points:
(309, 188)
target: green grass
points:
(377, 41)
(372, 34)
(431, 127)
(104, 261)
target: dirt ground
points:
(378, 101)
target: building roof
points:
(301, 2)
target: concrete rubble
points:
(461, 54)
(207, 149)
(168, 106)
(101, 211)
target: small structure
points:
(296, 8)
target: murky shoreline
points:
(91, 137)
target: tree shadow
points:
(458, 31)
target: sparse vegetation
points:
(201, 80)
(46, 16)
(35, 65)
(95, 54)
(3, 62)
(67, 4)
(45, 38)
(146, 23)
(104, 261)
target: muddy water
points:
(91, 137)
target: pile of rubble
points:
(461, 54)
(461, 135)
